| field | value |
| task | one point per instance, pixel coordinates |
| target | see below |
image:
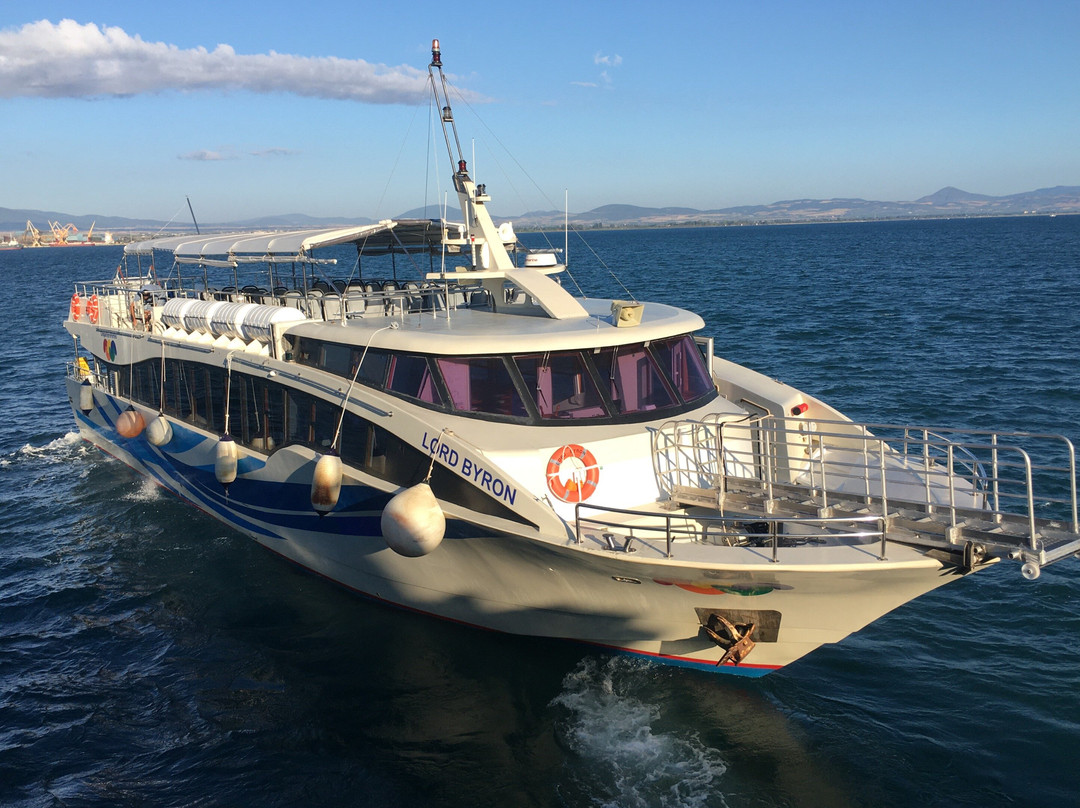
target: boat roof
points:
(473, 331)
(388, 235)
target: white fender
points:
(412, 522)
(159, 431)
(326, 483)
(225, 460)
(86, 396)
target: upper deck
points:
(464, 309)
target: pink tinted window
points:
(481, 384)
(561, 385)
(410, 376)
(635, 383)
(684, 365)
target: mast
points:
(488, 251)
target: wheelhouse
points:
(611, 384)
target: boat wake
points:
(68, 447)
(619, 754)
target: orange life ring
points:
(92, 309)
(75, 305)
(572, 473)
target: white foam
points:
(55, 451)
(147, 491)
(610, 724)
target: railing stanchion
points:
(950, 459)
(1072, 484)
(926, 469)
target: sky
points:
(125, 108)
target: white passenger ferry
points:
(472, 441)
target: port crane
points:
(61, 234)
(32, 234)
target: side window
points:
(299, 417)
(215, 386)
(197, 395)
(176, 393)
(561, 385)
(482, 384)
(307, 351)
(373, 366)
(684, 365)
(635, 382)
(336, 359)
(239, 424)
(411, 376)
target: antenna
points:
(447, 116)
(197, 231)
(566, 228)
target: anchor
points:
(737, 644)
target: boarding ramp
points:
(973, 492)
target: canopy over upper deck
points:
(380, 238)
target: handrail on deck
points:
(960, 472)
(830, 528)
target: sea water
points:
(151, 656)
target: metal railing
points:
(951, 474)
(732, 531)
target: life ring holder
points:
(580, 484)
(76, 303)
(93, 309)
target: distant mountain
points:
(953, 196)
(628, 213)
(15, 221)
(948, 201)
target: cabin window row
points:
(265, 415)
(613, 383)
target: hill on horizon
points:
(948, 201)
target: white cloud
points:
(73, 60)
(206, 156)
(275, 151)
(610, 61)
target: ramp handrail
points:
(738, 528)
(958, 472)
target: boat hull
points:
(546, 586)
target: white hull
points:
(531, 586)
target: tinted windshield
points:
(638, 380)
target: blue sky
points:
(318, 107)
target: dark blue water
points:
(149, 656)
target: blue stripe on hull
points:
(245, 505)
